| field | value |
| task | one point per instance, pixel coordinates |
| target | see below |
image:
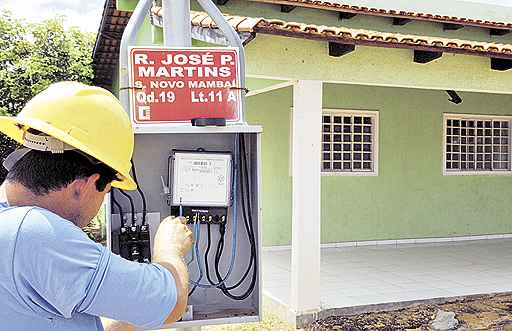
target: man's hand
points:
(173, 238)
(173, 241)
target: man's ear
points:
(81, 186)
(91, 181)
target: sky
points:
(507, 3)
(85, 14)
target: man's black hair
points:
(44, 172)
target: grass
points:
(270, 322)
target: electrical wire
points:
(247, 215)
(141, 193)
(245, 194)
(221, 280)
(132, 207)
(208, 246)
(114, 201)
(222, 228)
(169, 176)
(193, 250)
(198, 239)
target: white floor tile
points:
(354, 276)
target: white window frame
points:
(452, 116)
(375, 142)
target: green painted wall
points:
(288, 58)
(409, 198)
(272, 111)
(126, 5)
(254, 84)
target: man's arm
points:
(111, 325)
(173, 241)
(58, 255)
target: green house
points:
(384, 121)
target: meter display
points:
(201, 179)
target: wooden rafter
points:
(339, 49)
(401, 21)
(501, 64)
(287, 8)
(426, 56)
(346, 16)
(452, 27)
(499, 32)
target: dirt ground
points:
(492, 312)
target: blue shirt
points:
(53, 277)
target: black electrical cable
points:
(245, 193)
(142, 196)
(218, 255)
(250, 234)
(207, 252)
(192, 291)
(220, 245)
(247, 215)
(114, 201)
(132, 206)
(220, 250)
(169, 179)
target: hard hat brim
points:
(13, 127)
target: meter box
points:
(210, 176)
(201, 178)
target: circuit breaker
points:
(210, 176)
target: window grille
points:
(477, 144)
(348, 142)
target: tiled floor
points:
(356, 276)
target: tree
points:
(32, 56)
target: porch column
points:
(307, 127)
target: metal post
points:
(127, 40)
(176, 23)
(177, 33)
(234, 41)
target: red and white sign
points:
(175, 85)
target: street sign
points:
(176, 85)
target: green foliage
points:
(32, 56)
(270, 322)
(96, 228)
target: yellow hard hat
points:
(87, 118)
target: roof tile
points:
(392, 13)
(355, 36)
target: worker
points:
(76, 142)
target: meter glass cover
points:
(201, 179)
